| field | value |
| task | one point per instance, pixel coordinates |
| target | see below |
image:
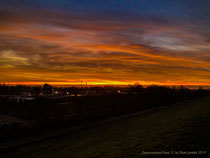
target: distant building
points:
(23, 98)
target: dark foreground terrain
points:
(182, 127)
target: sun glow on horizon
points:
(107, 83)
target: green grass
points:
(181, 127)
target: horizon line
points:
(107, 83)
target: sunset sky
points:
(105, 41)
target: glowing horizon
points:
(108, 83)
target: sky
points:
(105, 42)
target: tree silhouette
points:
(47, 89)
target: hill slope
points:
(183, 127)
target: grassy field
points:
(183, 127)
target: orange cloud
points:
(67, 49)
